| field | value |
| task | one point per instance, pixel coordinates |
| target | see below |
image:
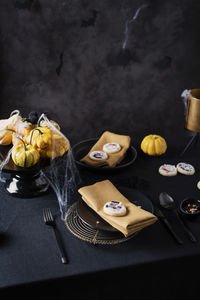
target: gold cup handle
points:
(188, 101)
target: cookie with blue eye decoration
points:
(185, 168)
(98, 155)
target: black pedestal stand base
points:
(193, 142)
(26, 185)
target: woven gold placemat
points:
(89, 234)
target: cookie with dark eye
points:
(185, 168)
(114, 208)
(98, 155)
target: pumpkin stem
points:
(9, 130)
(32, 132)
(22, 142)
(154, 137)
(38, 123)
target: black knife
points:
(162, 217)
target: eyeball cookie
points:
(114, 208)
(185, 168)
(198, 185)
(98, 155)
(111, 147)
(168, 170)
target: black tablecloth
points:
(150, 264)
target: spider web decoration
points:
(62, 174)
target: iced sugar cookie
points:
(185, 168)
(111, 147)
(198, 185)
(114, 208)
(167, 170)
(98, 155)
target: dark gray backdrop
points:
(66, 57)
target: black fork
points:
(49, 220)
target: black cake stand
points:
(23, 182)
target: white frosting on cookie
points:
(198, 185)
(185, 168)
(98, 155)
(114, 208)
(168, 170)
(111, 147)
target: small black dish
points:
(82, 148)
(190, 207)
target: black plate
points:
(92, 219)
(81, 149)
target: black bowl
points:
(81, 149)
(190, 207)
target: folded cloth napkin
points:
(96, 195)
(114, 158)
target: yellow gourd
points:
(25, 155)
(58, 147)
(40, 137)
(44, 123)
(153, 145)
(6, 135)
(23, 128)
(48, 143)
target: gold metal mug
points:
(193, 111)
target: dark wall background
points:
(66, 57)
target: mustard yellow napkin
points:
(98, 194)
(113, 158)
